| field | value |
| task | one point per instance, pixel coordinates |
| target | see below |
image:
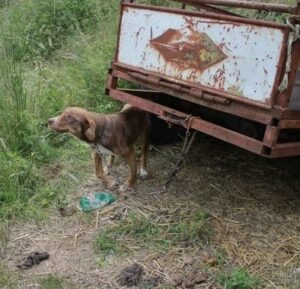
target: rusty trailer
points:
(234, 78)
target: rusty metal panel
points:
(240, 59)
(268, 147)
(248, 112)
(209, 128)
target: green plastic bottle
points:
(96, 200)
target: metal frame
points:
(271, 7)
(275, 115)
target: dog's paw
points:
(143, 174)
(125, 188)
(107, 170)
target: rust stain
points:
(219, 78)
(192, 22)
(188, 49)
(236, 90)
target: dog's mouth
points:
(56, 126)
(58, 129)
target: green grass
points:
(51, 282)
(265, 15)
(50, 24)
(238, 279)
(143, 231)
(54, 282)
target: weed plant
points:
(238, 279)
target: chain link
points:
(187, 143)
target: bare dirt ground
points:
(253, 206)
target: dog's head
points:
(76, 121)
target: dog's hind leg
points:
(131, 159)
(108, 181)
(144, 144)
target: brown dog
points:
(113, 134)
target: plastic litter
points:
(96, 200)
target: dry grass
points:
(254, 223)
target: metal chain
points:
(187, 143)
(191, 141)
(187, 133)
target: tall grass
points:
(22, 144)
(52, 54)
(18, 127)
(51, 22)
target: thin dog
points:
(113, 134)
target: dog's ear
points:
(90, 129)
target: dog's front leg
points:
(131, 159)
(108, 181)
(108, 167)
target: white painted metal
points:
(251, 52)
